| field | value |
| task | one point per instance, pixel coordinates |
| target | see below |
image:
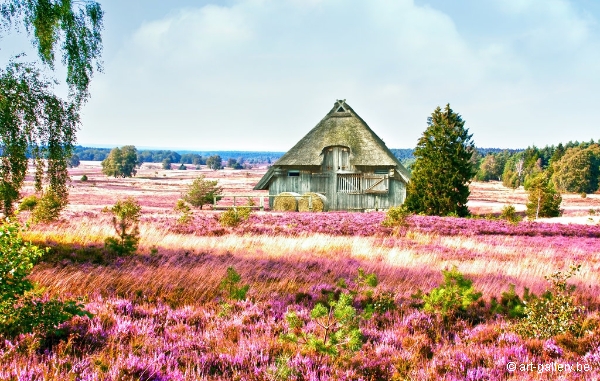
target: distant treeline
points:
(573, 167)
(183, 157)
(405, 155)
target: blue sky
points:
(259, 74)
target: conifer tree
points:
(442, 169)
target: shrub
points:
(29, 203)
(126, 215)
(335, 329)
(185, 210)
(22, 308)
(397, 218)
(453, 298)
(511, 305)
(509, 213)
(182, 167)
(235, 215)
(555, 312)
(84, 178)
(232, 287)
(202, 191)
(48, 207)
(362, 288)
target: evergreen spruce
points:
(442, 169)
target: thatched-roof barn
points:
(343, 159)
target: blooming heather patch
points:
(369, 224)
(129, 340)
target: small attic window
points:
(294, 173)
(340, 109)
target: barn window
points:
(382, 171)
(293, 173)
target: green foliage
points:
(166, 164)
(453, 298)
(29, 203)
(492, 167)
(17, 261)
(578, 170)
(186, 212)
(34, 122)
(48, 207)
(336, 328)
(555, 312)
(511, 304)
(282, 371)
(22, 310)
(121, 162)
(543, 200)
(75, 25)
(84, 178)
(182, 167)
(365, 294)
(397, 218)
(443, 168)
(126, 216)
(74, 161)
(34, 314)
(509, 213)
(214, 162)
(202, 192)
(232, 287)
(235, 215)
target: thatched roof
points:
(340, 127)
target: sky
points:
(257, 75)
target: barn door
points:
(376, 183)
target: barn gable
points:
(341, 128)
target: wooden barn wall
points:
(326, 184)
(298, 184)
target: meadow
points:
(161, 314)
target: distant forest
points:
(182, 156)
(405, 155)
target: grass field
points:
(160, 314)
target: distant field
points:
(159, 317)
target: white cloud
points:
(266, 71)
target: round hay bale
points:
(318, 202)
(286, 202)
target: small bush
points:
(126, 216)
(397, 217)
(335, 329)
(584, 195)
(84, 178)
(22, 307)
(511, 305)
(186, 212)
(509, 213)
(232, 287)
(452, 299)
(48, 208)
(29, 203)
(235, 215)
(555, 312)
(182, 167)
